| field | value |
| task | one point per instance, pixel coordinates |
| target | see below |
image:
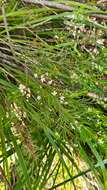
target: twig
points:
(62, 7)
(50, 4)
(101, 16)
(102, 1)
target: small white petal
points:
(56, 37)
(43, 80)
(62, 98)
(36, 75)
(50, 82)
(38, 97)
(54, 93)
(100, 41)
(61, 101)
(47, 74)
(66, 103)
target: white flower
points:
(66, 103)
(28, 95)
(35, 75)
(82, 29)
(62, 98)
(68, 28)
(75, 145)
(17, 111)
(95, 50)
(93, 95)
(76, 122)
(72, 126)
(56, 37)
(74, 76)
(28, 90)
(100, 41)
(54, 93)
(42, 79)
(47, 74)
(105, 99)
(38, 97)
(50, 82)
(61, 101)
(100, 141)
(25, 91)
(24, 114)
(7, 115)
(22, 89)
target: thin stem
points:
(5, 179)
(78, 175)
(50, 4)
(62, 7)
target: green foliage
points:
(53, 102)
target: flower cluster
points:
(61, 98)
(18, 112)
(54, 93)
(25, 91)
(44, 78)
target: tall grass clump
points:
(53, 97)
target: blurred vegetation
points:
(53, 97)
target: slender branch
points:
(62, 7)
(50, 4)
(102, 16)
(102, 1)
